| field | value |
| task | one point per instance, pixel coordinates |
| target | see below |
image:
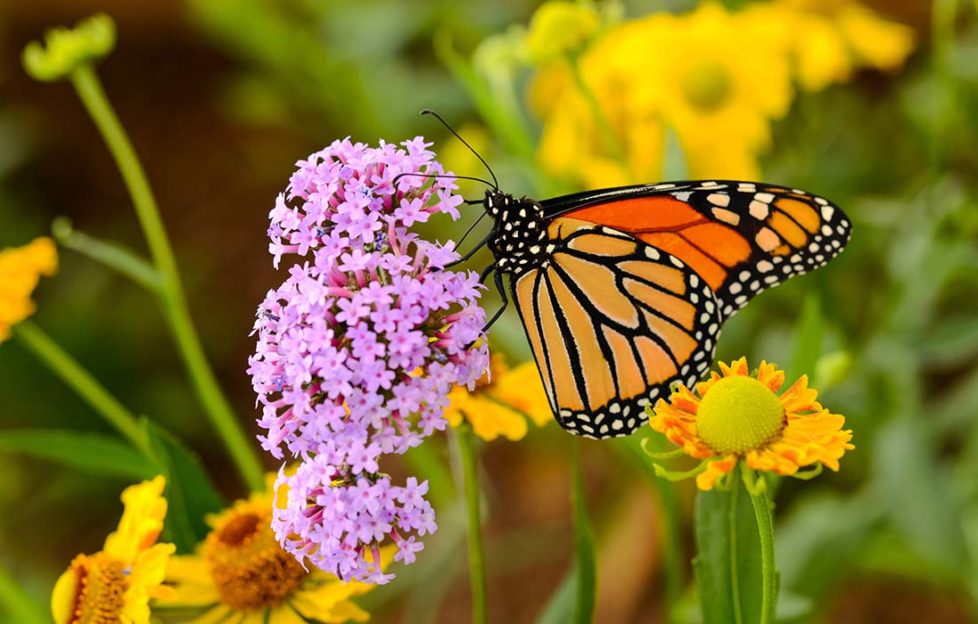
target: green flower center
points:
(739, 414)
(707, 85)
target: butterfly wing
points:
(740, 237)
(612, 321)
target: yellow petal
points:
(880, 43)
(63, 596)
(141, 522)
(522, 389)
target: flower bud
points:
(69, 48)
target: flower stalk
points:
(764, 514)
(470, 478)
(174, 305)
(82, 382)
(583, 542)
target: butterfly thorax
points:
(519, 238)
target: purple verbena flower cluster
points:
(358, 349)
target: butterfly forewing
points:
(740, 237)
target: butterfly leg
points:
(502, 293)
(472, 251)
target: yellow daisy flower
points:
(738, 416)
(502, 400)
(560, 27)
(711, 76)
(116, 584)
(240, 574)
(828, 39)
(20, 270)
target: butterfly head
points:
(519, 239)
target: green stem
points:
(173, 302)
(763, 512)
(477, 564)
(738, 611)
(612, 142)
(82, 382)
(584, 543)
(112, 255)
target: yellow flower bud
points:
(68, 48)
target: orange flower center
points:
(707, 85)
(739, 414)
(101, 589)
(249, 568)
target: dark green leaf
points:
(728, 561)
(91, 453)
(189, 491)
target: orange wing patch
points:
(710, 247)
(641, 214)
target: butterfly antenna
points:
(443, 176)
(469, 231)
(428, 111)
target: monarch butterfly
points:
(623, 291)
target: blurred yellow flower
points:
(241, 574)
(20, 270)
(116, 584)
(738, 415)
(828, 39)
(710, 76)
(501, 402)
(560, 27)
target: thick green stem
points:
(82, 382)
(584, 544)
(764, 513)
(477, 562)
(174, 304)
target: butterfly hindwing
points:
(740, 237)
(612, 322)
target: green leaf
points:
(560, 607)
(728, 561)
(821, 539)
(189, 491)
(505, 124)
(91, 453)
(808, 340)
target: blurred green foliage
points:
(890, 328)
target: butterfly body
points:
(623, 291)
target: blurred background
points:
(221, 97)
